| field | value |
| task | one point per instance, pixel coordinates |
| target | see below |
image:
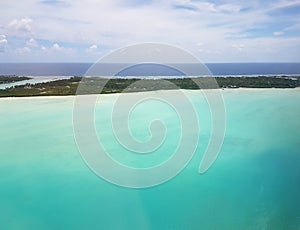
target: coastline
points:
(96, 85)
(241, 89)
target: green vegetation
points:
(260, 82)
(4, 79)
(96, 85)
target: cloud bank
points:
(83, 31)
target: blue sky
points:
(214, 31)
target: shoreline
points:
(114, 94)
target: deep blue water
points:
(79, 69)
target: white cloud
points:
(278, 33)
(3, 43)
(206, 6)
(32, 42)
(114, 24)
(21, 26)
(229, 8)
(57, 53)
(93, 47)
(56, 47)
(2, 36)
(239, 47)
(23, 51)
(284, 4)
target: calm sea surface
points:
(79, 69)
(254, 184)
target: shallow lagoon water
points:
(254, 184)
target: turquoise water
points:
(254, 184)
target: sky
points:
(214, 31)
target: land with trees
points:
(11, 78)
(95, 85)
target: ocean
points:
(79, 69)
(254, 183)
(45, 72)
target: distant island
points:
(11, 79)
(94, 85)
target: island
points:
(95, 85)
